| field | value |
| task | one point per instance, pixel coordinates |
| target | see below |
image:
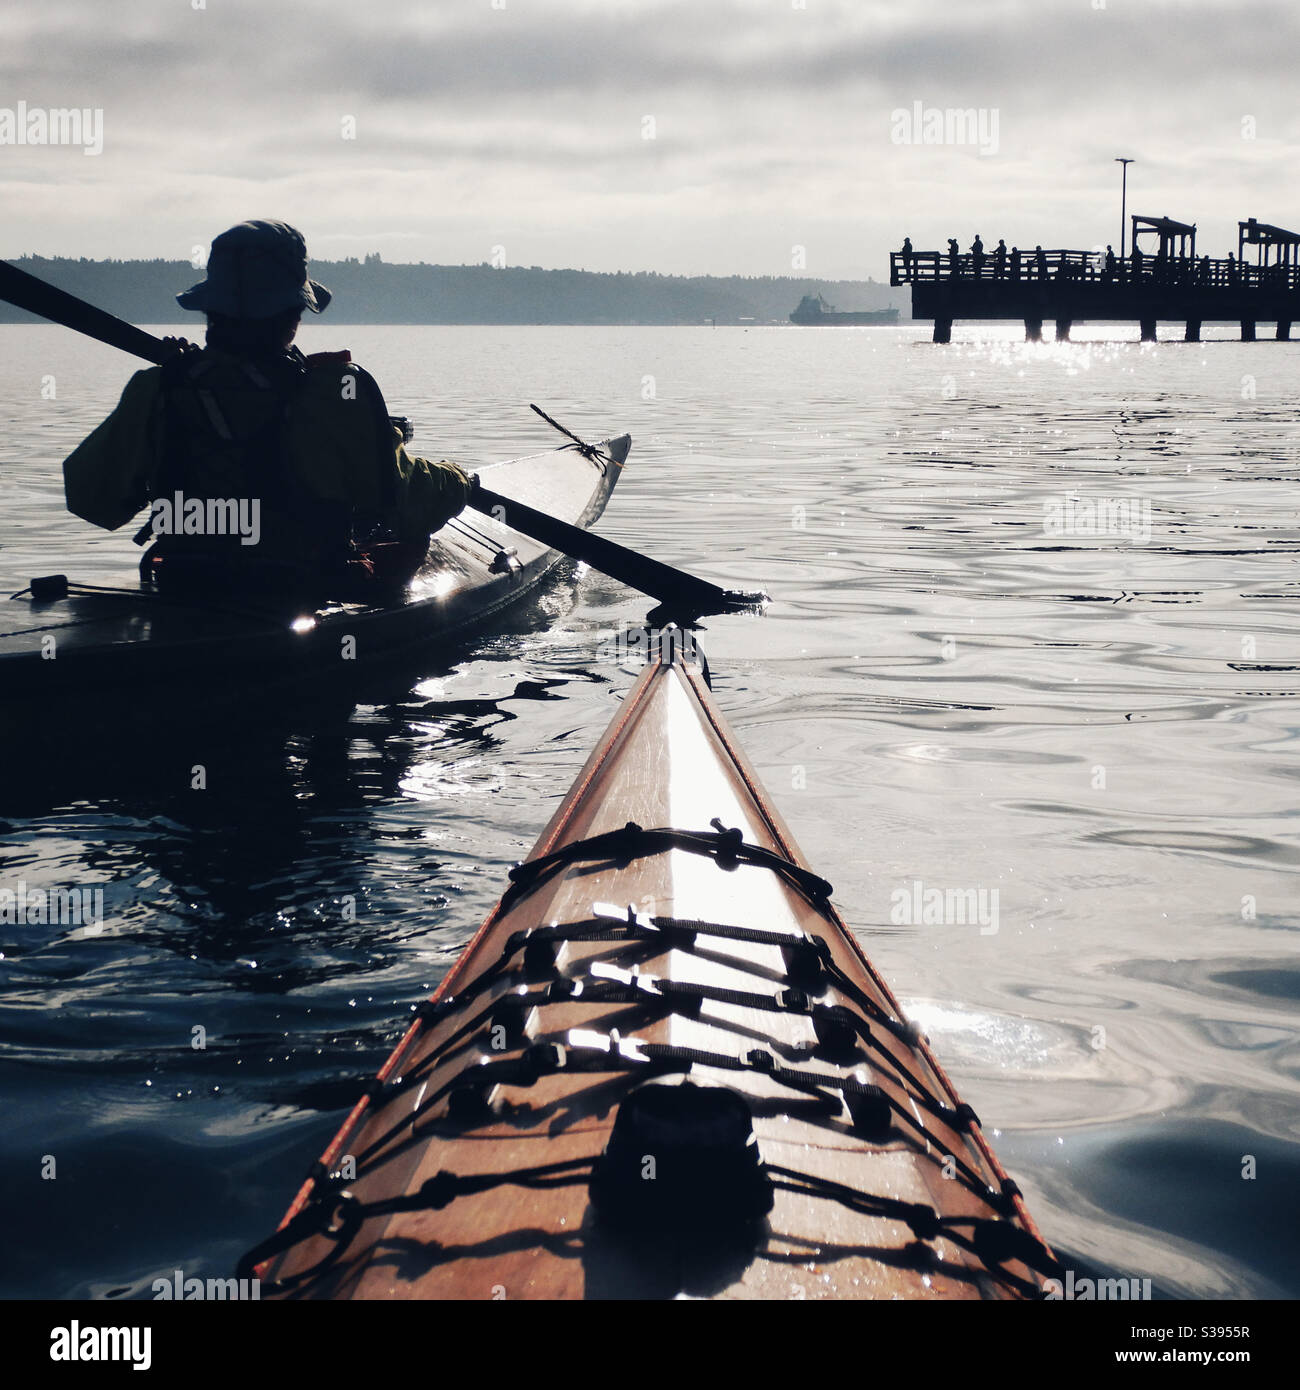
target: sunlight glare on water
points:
(1033, 632)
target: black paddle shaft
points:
(678, 593)
(33, 294)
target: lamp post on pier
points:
(1123, 204)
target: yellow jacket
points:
(338, 449)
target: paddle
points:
(33, 294)
(681, 596)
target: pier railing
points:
(1088, 267)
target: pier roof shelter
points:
(1169, 232)
(1268, 239)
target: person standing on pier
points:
(1015, 263)
(977, 255)
(953, 252)
(907, 257)
(1040, 262)
(1000, 258)
(1136, 259)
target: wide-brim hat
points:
(255, 270)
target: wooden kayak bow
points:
(664, 1065)
(682, 597)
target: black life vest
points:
(224, 490)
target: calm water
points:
(1102, 729)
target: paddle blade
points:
(680, 595)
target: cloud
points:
(532, 117)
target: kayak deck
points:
(126, 638)
(637, 946)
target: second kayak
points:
(662, 1067)
(61, 640)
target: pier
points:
(1155, 283)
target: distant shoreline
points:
(373, 291)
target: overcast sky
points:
(522, 124)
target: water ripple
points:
(1101, 724)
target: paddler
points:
(263, 469)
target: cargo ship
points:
(813, 311)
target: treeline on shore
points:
(372, 290)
